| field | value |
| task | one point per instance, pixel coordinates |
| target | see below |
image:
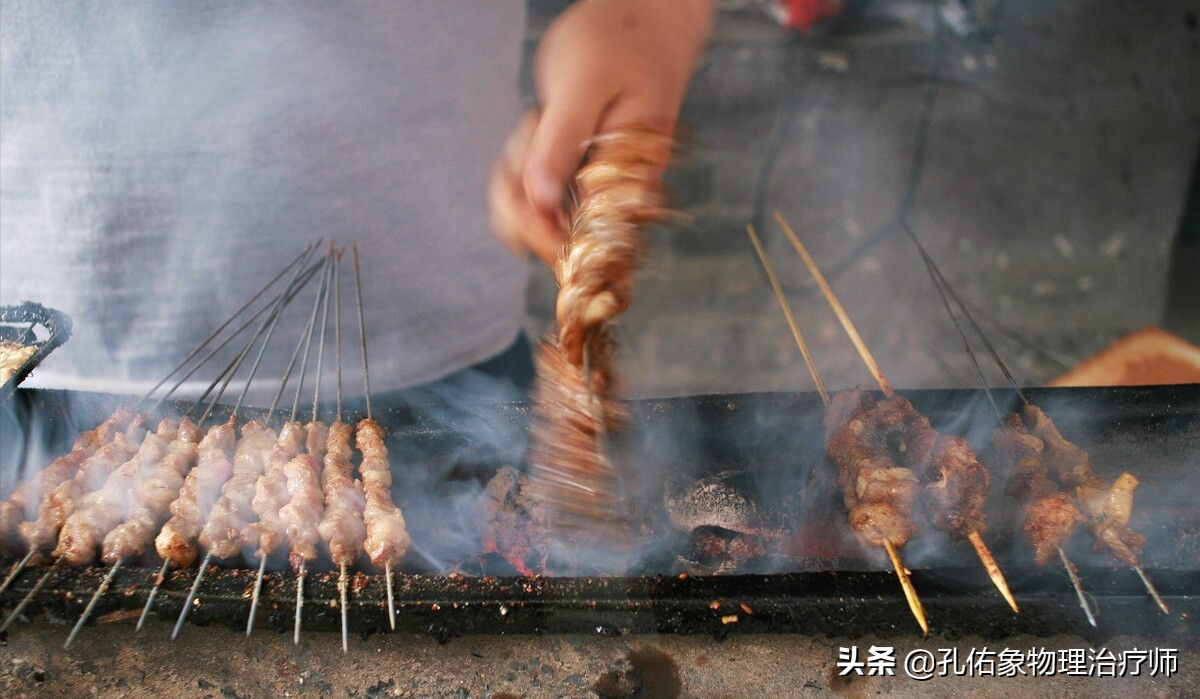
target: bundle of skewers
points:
(614, 195)
(891, 460)
(189, 487)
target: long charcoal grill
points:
(822, 587)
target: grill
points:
(814, 583)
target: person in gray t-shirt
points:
(160, 161)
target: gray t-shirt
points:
(159, 161)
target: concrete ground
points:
(109, 660)
(1043, 153)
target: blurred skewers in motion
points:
(616, 193)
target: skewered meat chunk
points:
(618, 192)
(954, 483)
(61, 502)
(306, 501)
(877, 491)
(20, 505)
(101, 510)
(1107, 507)
(222, 532)
(153, 498)
(1050, 515)
(177, 540)
(566, 457)
(387, 539)
(271, 494)
(341, 527)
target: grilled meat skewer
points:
(61, 502)
(387, 539)
(341, 528)
(1050, 514)
(221, 535)
(152, 500)
(19, 505)
(176, 542)
(101, 510)
(271, 493)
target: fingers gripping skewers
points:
(954, 483)
(1106, 508)
(618, 193)
(877, 491)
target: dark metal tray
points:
(44, 327)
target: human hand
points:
(602, 65)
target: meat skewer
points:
(877, 491)
(306, 501)
(387, 539)
(1106, 508)
(1050, 514)
(221, 533)
(271, 491)
(163, 465)
(342, 527)
(18, 505)
(570, 469)
(954, 482)
(58, 504)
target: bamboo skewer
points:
(902, 574)
(910, 592)
(985, 556)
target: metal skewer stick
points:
(1152, 589)
(302, 573)
(300, 576)
(158, 581)
(285, 294)
(944, 288)
(92, 603)
(258, 583)
(1075, 582)
(362, 336)
(304, 341)
(337, 344)
(269, 324)
(37, 587)
(16, 570)
(902, 573)
(213, 335)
